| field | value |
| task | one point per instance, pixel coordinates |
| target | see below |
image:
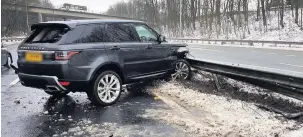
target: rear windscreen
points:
(47, 34)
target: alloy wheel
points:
(181, 70)
(108, 88)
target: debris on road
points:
(17, 101)
(233, 89)
(216, 115)
(61, 120)
(286, 115)
(45, 112)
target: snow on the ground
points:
(291, 31)
(245, 87)
(256, 90)
(296, 133)
(201, 77)
(86, 127)
(5, 44)
(218, 115)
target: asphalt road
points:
(287, 62)
(29, 112)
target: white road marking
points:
(172, 104)
(272, 53)
(291, 65)
(291, 55)
(14, 82)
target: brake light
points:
(64, 83)
(64, 55)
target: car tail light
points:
(64, 55)
(64, 83)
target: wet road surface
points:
(29, 112)
(288, 62)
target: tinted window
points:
(145, 33)
(117, 32)
(92, 33)
(47, 35)
(75, 34)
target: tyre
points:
(57, 94)
(182, 70)
(106, 89)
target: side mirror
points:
(161, 38)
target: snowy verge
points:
(6, 44)
(217, 116)
(244, 87)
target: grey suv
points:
(96, 57)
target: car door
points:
(156, 53)
(123, 45)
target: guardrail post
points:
(262, 44)
(275, 44)
(208, 42)
(289, 45)
(217, 81)
(251, 43)
(241, 43)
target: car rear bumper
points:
(48, 83)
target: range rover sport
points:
(96, 57)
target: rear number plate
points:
(33, 57)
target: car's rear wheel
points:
(106, 89)
(57, 93)
(182, 70)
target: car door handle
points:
(148, 47)
(115, 48)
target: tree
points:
(13, 14)
(281, 5)
(223, 16)
(46, 4)
(263, 13)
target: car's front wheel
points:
(106, 89)
(182, 70)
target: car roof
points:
(74, 23)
